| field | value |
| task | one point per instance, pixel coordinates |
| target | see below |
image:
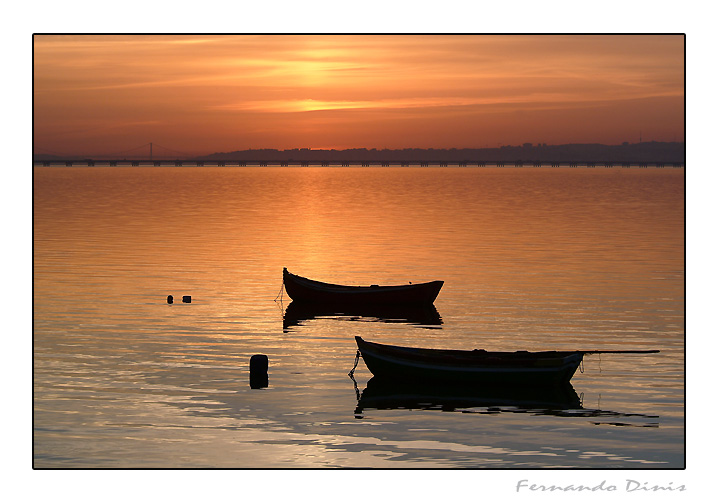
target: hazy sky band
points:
(97, 94)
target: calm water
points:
(532, 258)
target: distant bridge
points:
(381, 163)
(143, 156)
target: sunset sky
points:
(200, 94)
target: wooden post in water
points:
(258, 371)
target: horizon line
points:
(329, 149)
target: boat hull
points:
(452, 366)
(307, 290)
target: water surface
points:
(532, 258)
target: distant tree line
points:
(670, 152)
(591, 152)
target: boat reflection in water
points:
(425, 316)
(560, 401)
(385, 394)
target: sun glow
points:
(225, 93)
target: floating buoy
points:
(170, 299)
(259, 371)
(187, 299)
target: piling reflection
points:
(259, 380)
(560, 401)
(424, 316)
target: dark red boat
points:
(307, 290)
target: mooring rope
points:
(282, 287)
(355, 387)
(357, 359)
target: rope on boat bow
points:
(357, 359)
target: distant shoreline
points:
(655, 152)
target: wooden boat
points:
(476, 366)
(308, 290)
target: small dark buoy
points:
(258, 371)
(170, 299)
(187, 299)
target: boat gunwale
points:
(471, 357)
